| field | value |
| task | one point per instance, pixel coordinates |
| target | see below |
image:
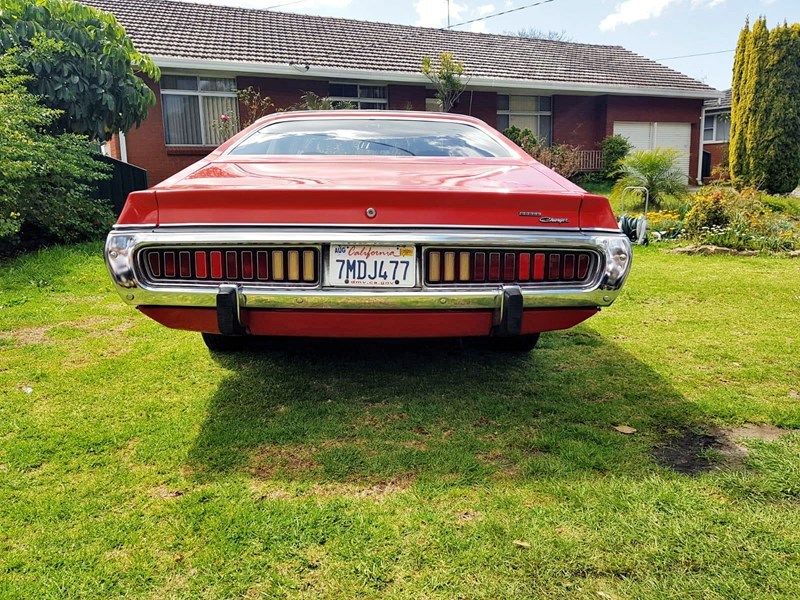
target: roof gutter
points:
(255, 68)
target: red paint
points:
(596, 213)
(140, 207)
(365, 324)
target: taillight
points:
(214, 265)
(454, 267)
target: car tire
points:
(224, 343)
(518, 343)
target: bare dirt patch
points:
(693, 452)
(379, 489)
(166, 493)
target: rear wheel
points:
(224, 343)
(519, 343)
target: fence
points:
(591, 160)
(125, 178)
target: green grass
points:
(134, 463)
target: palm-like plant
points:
(657, 170)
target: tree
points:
(46, 178)
(540, 34)
(765, 122)
(447, 78)
(82, 63)
(657, 170)
(739, 109)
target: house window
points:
(526, 112)
(717, 128)
(363, 97)
(192, 106)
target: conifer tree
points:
(737, 152)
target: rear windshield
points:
(371, 137)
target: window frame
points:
(528, 113)
(714, 129)
(201, 110)
(357, 100)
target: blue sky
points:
(658, 29)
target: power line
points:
(693, 55)
(284, 4)
(498, 14)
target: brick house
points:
(716, 133)
(566, 93)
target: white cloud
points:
(706, 3)
(433, 13)
(632, 11)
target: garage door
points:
(646, 136)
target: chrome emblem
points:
(553, 220)
(525, 213)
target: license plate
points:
(373, 266)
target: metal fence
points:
(591, 160)
(125, 178)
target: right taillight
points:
(454, 267)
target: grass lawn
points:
(134, 463)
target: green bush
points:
(721, 216)
(615, 148)
(657, 170)
(46, 190)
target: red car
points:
(368, 224)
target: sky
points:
(673, 32)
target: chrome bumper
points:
(122, 246)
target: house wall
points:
(579, 121)
(663, 110)
(482, 105)
(718, 151)
(407, 97)
(147, 149)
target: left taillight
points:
(293, 266)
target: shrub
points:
(563, 158)
(713, 206)
(657, 170)
(47, 190)
(615, 148)
(721, 216)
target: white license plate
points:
(372, 266)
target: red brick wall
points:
(663, 110)
(579, 120)
(482, 105)
(282, 92)
(718, 152)
(407, 97)
(146, 147)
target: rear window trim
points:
(511, 154)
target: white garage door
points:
(646, 136)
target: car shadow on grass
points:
(435, 412)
